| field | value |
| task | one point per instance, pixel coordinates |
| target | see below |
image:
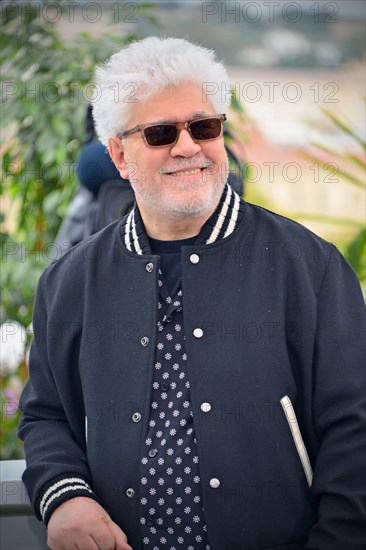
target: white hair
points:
(145, 67)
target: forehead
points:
(178, 103)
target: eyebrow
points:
(197, 114)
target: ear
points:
(116, 153)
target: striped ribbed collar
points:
(220, 225)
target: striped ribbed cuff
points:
(59, 490)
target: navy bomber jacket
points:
(281, 363)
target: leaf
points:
(52, 201)
(60, 126)
(356, 253)
(347, 176)
(344, 127)
(361, 163)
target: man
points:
(196, 376)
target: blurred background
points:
(297, 126)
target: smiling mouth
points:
(190, 172)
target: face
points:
(181, 180)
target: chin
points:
(195, 207)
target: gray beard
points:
(177, 211)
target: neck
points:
(166, 229)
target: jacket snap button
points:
(152, 453)
(198, 333)
(149, 267)
(214, 483)
(194, 258)
(130, 492)
(205, 407)
(136, 417)
(144, 341)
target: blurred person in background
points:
(197, 370)
(94, 169)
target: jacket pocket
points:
(297, 437)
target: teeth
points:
(187, 172)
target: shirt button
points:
(198, 333)
(214, 483)
(130, 492)
(205, 407)
(152, 453)
(144, 341)
(164, 387)
(136, 417)
(149, 267)
(194, 258)
(150, 521)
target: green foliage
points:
(46, 87)
(46, 83)
(356, 254)
(10, 447)
(351, 168)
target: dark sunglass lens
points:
(162, 134)
(209, 128)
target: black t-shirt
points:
(170, 263)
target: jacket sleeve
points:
(339, 482)
(52, 429)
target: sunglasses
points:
(160, 135)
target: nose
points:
(185, 146)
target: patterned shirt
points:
(171, 502)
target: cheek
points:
(215, 151)
(149, 163)
(133, 164)
(221, 155)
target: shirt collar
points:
(220, 224)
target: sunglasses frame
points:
(179, 125)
